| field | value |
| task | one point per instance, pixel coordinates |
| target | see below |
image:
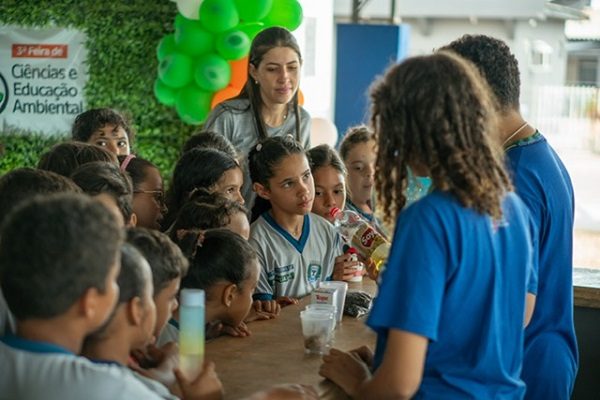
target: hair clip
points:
(126, 162)
(258, 147)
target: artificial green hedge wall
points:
(121, 44)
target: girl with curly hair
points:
(452, 303)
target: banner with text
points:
(42, 76)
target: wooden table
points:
(586, 287)
(274, 354)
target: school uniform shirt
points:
(151, 384)
(291, 267)
(460, 279)
(543, 183)
(42, 371)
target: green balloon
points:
(251, 29)
(233, 45)
(164, 94)
(180, 20)
(165, 47)
(175, 70)
(212, 72)
(285, 13)
(193, 39)
(193, 105)
(255, 10)
(218, 15)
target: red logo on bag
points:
(367, 237)
(21, 50)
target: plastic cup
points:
(342, 288)
(331, 308)
(317, 329)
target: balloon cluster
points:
(205, 61)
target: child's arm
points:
(207, 386)
(399, 375)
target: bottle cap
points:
(192, 297)
(351, 250)
(334, 211)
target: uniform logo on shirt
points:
(284, 274)
(313, 273)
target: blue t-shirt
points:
(460, 279)
(543, 183)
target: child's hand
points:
(372, 269)
(262, 310)
(365, 354)
(207, 386)
(286, 301)
(270, 307)
(287, 392)
(239, 331)
(344, 268)
(347, 370)
(159, 363)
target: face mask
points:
(418, 187)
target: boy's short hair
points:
(23, 183)
(102, 177)
(52, 250)
(64, 158)
(495, 62)
(90, 121)
(353, 136)
(165, 258)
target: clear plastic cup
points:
(317, 329)
(342, 288)
(332, 308)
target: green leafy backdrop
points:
(121, 44)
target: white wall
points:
(519, 37)
(446, 8)
(316, 39)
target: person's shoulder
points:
(304, 114)
(71, 376)
(320, 223)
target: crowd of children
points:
(94, 251)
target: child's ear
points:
(135, 311)
(229, 294)
(88, 303)
(132, 221)
(261, 190)
(92, 308)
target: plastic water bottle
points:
(355, 230)
(191, 332)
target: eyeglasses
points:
(159, 195)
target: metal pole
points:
(355, 11)
(392, 11)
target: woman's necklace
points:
(512, 135)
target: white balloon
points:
(323, 131)
(189, 8)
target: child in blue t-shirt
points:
(296, 249)
(451, 306)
